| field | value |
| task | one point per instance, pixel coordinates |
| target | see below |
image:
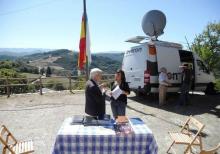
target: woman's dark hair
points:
(123, 79)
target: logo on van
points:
(134, 51)
(173, 76)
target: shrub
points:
(50, 84)
(58, 86)
(80, 83)
(31, 88)
(217, 85)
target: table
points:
(103, 140)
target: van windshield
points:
(202, 66)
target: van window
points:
(202, 66)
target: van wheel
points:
(210, 89)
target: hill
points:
(19, 52)
(63, 60)
(6, 57)
(114, 56)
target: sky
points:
(55, 24)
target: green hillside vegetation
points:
(14, 69)
(67, 59)
(114, 56)
(18, 66)
(61, 62)
(106, 64)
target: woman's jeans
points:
(118, 108)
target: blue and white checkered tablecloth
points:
(103, 140)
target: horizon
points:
(41, 50)
(56, 24)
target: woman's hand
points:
(125, 93)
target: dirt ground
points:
(31, 116)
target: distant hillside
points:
(64, 59)
(6, 57)
(18, 52)
(114, 56)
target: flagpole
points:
(87, 65)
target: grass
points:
(30, 75)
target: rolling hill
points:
(66, 60)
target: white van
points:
(142, 63)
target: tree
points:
(42, 71)
(207, 46)
(48, 72)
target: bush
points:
(31, 88)
(50, 84)
(80, 83)
(58, 86)
(217, 85)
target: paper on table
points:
(116, 92)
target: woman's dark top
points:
(123, 86)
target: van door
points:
(134, 65)
(169, 58)
(187, 57)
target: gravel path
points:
(40, 117)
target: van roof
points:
(139, 39)
(166, 44)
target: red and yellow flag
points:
(84, 44)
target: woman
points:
(118, 104)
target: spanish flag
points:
(84, 44)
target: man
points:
(95, 100)
(163, 84)
(186, 84)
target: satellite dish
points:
(153, 23)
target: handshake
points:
(103, 87)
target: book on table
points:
(77, 120)
(91, 121)
(123, 126)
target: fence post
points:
(7, 87)
(70, 83)
(41, 93)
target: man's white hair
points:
(163, 69)
(94, 72)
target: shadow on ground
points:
(198, 104)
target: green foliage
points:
(68, 60)
(207, 46)
(48, 72)
(8, 64)
(106, 64)
(80, 83)
(18, 66)
(58, 86)
(50, 84)
(31, 88)
(217, 85)
(42, 71)
(7, 71)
